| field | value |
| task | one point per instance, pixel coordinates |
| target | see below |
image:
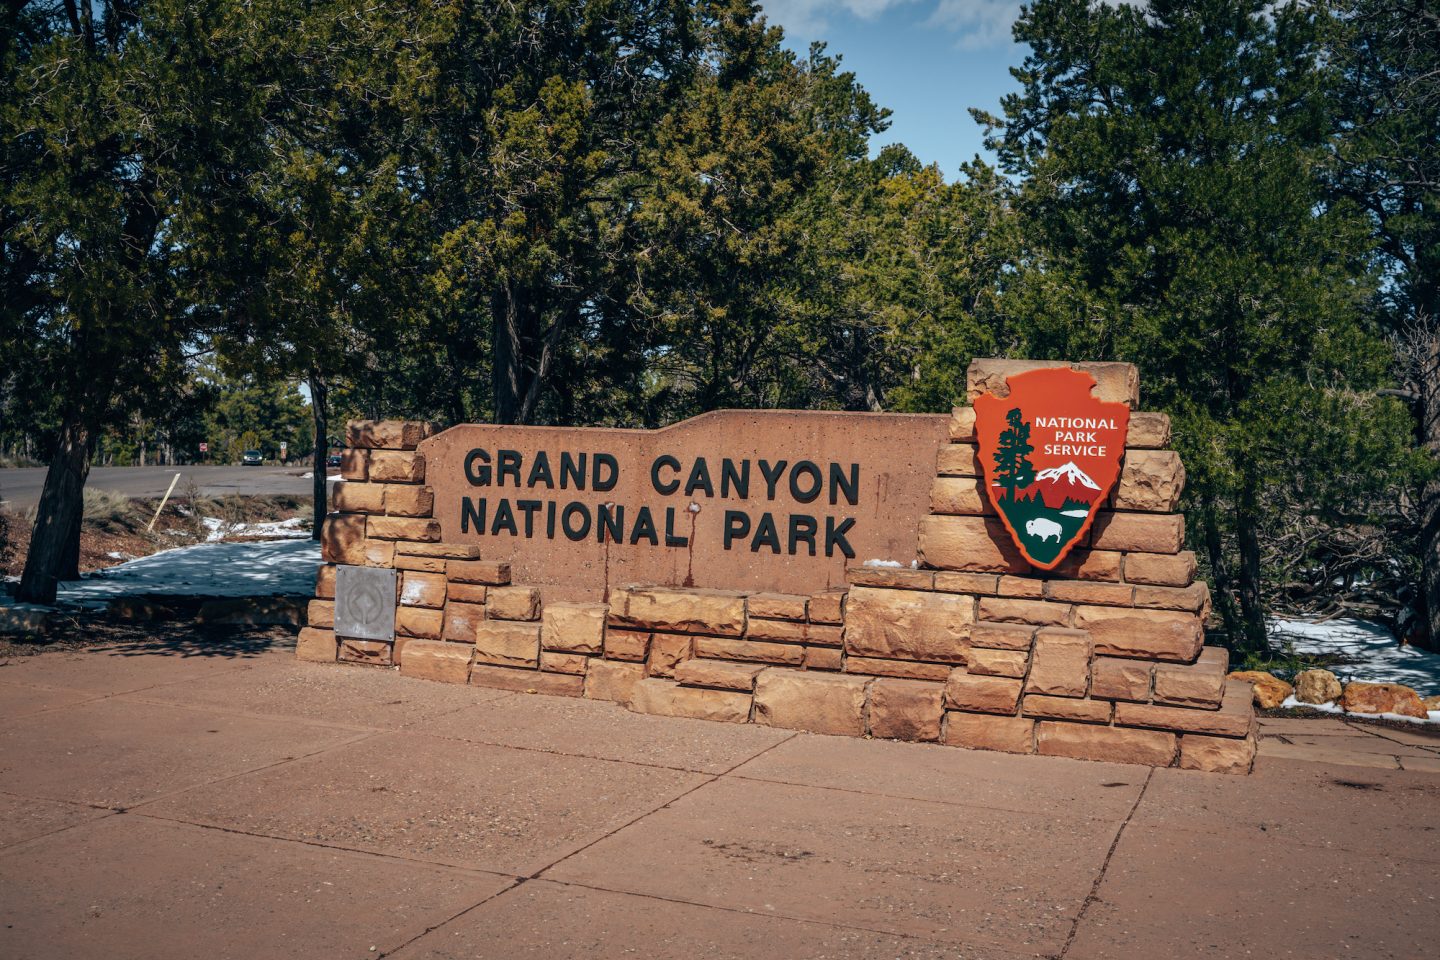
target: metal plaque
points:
(364, 603)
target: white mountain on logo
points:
(1068, 473)
(1066, 484)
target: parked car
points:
(333, 460)
(252, 458)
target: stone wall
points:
(1100, 659)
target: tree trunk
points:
(505, 365)
(1428, 409)
(55, 543)
(1219, 568)
(319, 401)
(1252, 606)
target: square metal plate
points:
(364, 603)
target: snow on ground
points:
(217, 529)
(250, 569)
(1374, 654)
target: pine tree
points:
(1012, 458)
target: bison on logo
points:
(1050, 453)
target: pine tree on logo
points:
(1013, 469)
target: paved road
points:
(174, 799)
(20, 487)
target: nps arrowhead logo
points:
(1050, 453)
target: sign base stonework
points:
(966, 642)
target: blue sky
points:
(927, 60)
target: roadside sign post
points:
(165, 499)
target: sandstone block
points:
(325, 581)
(958, 460)
(665, 699)
(906, 709)
(348, 497)
(1194, 598)
(725, 648)
(527, 681)
(1113, 678)
(1007, 734)
(1148, 431)
(1311, 686)
(632, 645)
(405, 561)
(718, 613)
(1158, 634)
(1382, 698)
(1002, 636)
(1114, 382)
(342, 538)
(422, 589)
(667, 651)
(495, 573)
(463, 622)
(572, 663)
(1074, 591)
(827, 607)
(373, 652)
(437, 660)
(321, 613)
(971, 544)
(1025, 588)
(1269, 690)
(1060, 663)
(395, 466)
(1090, 565)
(406, 500)
(1142, 532)
(908, 624)
(378, 553)
(1010, 610)
(1216, 754)
(458, 592)
(1161, 569)
(402, 528)
(1199, 684)
(720, 674)
(1081, 741)
(777, 606)
(508, 644)
(421, 623)
(960, 496)
(962, 424)
(355, 465)
(952, 581)
(612, 679)
(1065, 708)
(816, 702)
(780, 631)
(997, 663)
(824, 635)
(1233, 719)
(573, 627)
(447, 551)
(513, 603)
(965, 691)
(828, 658)
(387, 434)
(907, 669)
(896, 578)
(1151, 480)
(316, 645)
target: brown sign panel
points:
(741, 499)
(1051, 453)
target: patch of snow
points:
(1432, 717)
(881, 563)
(1375, 655)
(217, 529)
(251, 569)
(118, 555)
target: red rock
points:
(1382, 698)
(316, 645)
(422, 589)
(1317, 686)
(422, 623)
(507, 644)
(463, 621)
(816, 702)
(906, 709)
(1200, 684)
(982, 694)
(1144, 532)
(402, 528)
(513, 603)
(1270, 691)
(612, 679)
(906, 669)
(1082, 741)
(1060, 663)
(1216, 754)
(1161, 569)
(321, 613)
(395, 466)
(387, 434)
(437, 660)
(666, 699)
(526, 681)
(572, 663)
(632, 645)
(667, 651)
(573, 627)
(1065, 708)
(723, 648)
(894, 578)
(1113, 678)
(373, 652)
(826, 658)
(720, 674)
(827, 607)
(997, 663)
(908, 624)
(777, 606)
(491, 572)
(1006, 734)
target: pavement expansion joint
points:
(1094, 895)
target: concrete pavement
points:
(231, 802)
(20, 486)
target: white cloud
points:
(979, 23)
(809, 17)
